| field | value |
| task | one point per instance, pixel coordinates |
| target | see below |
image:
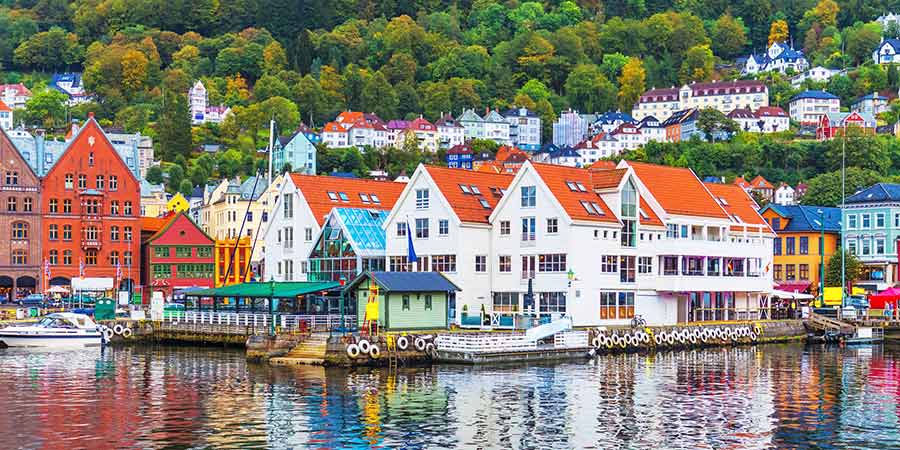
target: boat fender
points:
(704, 335)
(615, 340)
(627, 340)
(659, 338)
(646, 338)
(604, 341)
(680, 336)
(753, 336)
(108, 334)
(623, 340)
(430, 349)
(126, 333)
(420, 344)
(693, 336)
(352, 351)
(118, 328)
(717, 333)
(595, 342)
(757, 329)
(670, 338)
(364, 346)
(374, 351)
(402, 342)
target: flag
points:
(47, 268)
(118, 270)
(410, 249)
(81, 268)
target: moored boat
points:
(58, 330)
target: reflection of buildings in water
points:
(806, 407)
(868, 395)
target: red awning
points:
(793, 286)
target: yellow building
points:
(178, 203)
(232, 259)
(798, 252)
(153, 199)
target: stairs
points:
(821, 323)
(310, 351)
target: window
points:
(114, 233)
(790, 272)
(127, 208)
(288, 206)
(53, 232)
(804, 245)
(70, 181)
(528, 229)
(506, 302)
(67, 257)
(879, 246)
(91, 158)
(126, 258)
(101, 182)
(866, 221)
(82, 181)
(67, 232)
(422, 228)
(127, 234)
(288, 237)
(54, 205)
(428, 303)
(20, 230)
(114, 208)
(183, 252)
(443, 227)
(443, 263)
(19, 257)
(626, 269)
(713, 266)
(529, 196)
(626, 305)
(90, 257)
(616, 305)
(866, 246)
(552, 226)
(609, 264)
(114, 258)
(422, 200)
(27, 204)
(364, 198)
(374, 198)
(401, 229)
(851, 221)
(54, 257)
(505, 263)
(204, 252)
(608, 305)
(67, 206)
(332, 196)
(789, 248)
(113, 183)
(776, 223)
(398, 264)
(504, 228)
(896, 220)
(629, 227)
(879, 220)
(552, 302)
(484, 203)
(11, 204)
(475, 190)
(554, 262)
(777, 244)
(308, 234)
(528, 266)
(161, 252)
(645, 264)
(91, 233)
(672, 231)
(480, 263)
(464, 189)
(804, 271)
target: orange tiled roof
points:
(740, 181)
(154, 224)
(4, 107)
(349, 117)
(468, 207)
(555, 177)
(315, 189)
(678, 190)
(607, 179)
(761, 183)
(333, 127)
(737, 203)
(652, 218)
(603, 164)
(490, 167)
(505, 152)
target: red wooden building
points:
(178, 256)
(90, 206)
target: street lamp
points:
(843, 205)
(822, 258)
(272, 305)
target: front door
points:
(683, 302)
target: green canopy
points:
(282, 289)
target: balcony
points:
(90, 244)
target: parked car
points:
(858, 301)
(32, 300)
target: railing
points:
(493, 343)
(263, 321)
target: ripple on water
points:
(781, 396)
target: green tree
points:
(861, 150)
(713, 122)
(185, 187)
(52, 49)
(697, 65)
(173, 127)
(825, 189)
(154, 175)
(175, 177)
(268, 86)
(728, 36)
(46, 107)
(632, 83)
(588, 90)
(852, 269)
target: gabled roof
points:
(770, 111)
(18, 88)
(678, 190)
(363, 228)
(507, 152)
(467, 206)
(741, 113)
(333, 127)
(565, 152)
(408, 281)
(420, 124)
(469, 115)
(460, 149)
(89, 131)
(607, 179)
(648, 215)
(837, 119)
(170, 220)
(494, 117)
(557, 179)
(4, 107)
(894, 43)
(155, 224)
(315, 189)
(761, 183)
(611, 117)
(805, 218)
(519, 112)
(739, 205)
(603, 164)
(880, 192)
(447, 121)
(681, 116)
(648, 121)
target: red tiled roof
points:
(760, 182)
(678, 190)
(421, 124)
(460, 149)
(18, 87)
(603, 164)
(740, 181)
(770, 111)
(468, 207)
(333, 127)
(555, 177)
(737, 203)
(506, 151)
(154, 224)
(4, 107)
(315, 189)
(607, 179)
(349, 117)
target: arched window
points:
(67, 257)
(20, 230)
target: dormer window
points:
(364, 198)
(332, 196)
(475, 190)
(580, 187)
(343, 196)
(464, 188)
(374, 198)
(484, 203)
(572, 186)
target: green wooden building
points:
(406, 300)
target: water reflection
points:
(167, 397)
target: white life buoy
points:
(704, 335)
(374, 351)
(626, 340)
(108, 334)
(118, 328)
(595, 342)
(603, 341)
(430, 349)
(753, 336)
(717, 333)
(670, 338)
(352, 350)
(659, 338)
(681, 337)
(693, 337)
(364, 346)
(420, 344)
(615, 340)
(402, 343)
(126, 333)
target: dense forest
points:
(307, 60)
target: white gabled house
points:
(447, 212)
(298, 213)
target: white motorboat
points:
(58, 330)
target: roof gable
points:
(678, 190)
(322, 193)
(880, 192)
(468, 206)
(87, 140)
(7, 144)
(180, 230)
(559, 180)
(737, 202)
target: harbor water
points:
(774, 396)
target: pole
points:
(843, 206)
(271, 145)
(822, 260)
(272, 306)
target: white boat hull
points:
(51, 341)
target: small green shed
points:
(406, 300)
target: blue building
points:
(296, 150)
(871, 220)
(460, 157)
